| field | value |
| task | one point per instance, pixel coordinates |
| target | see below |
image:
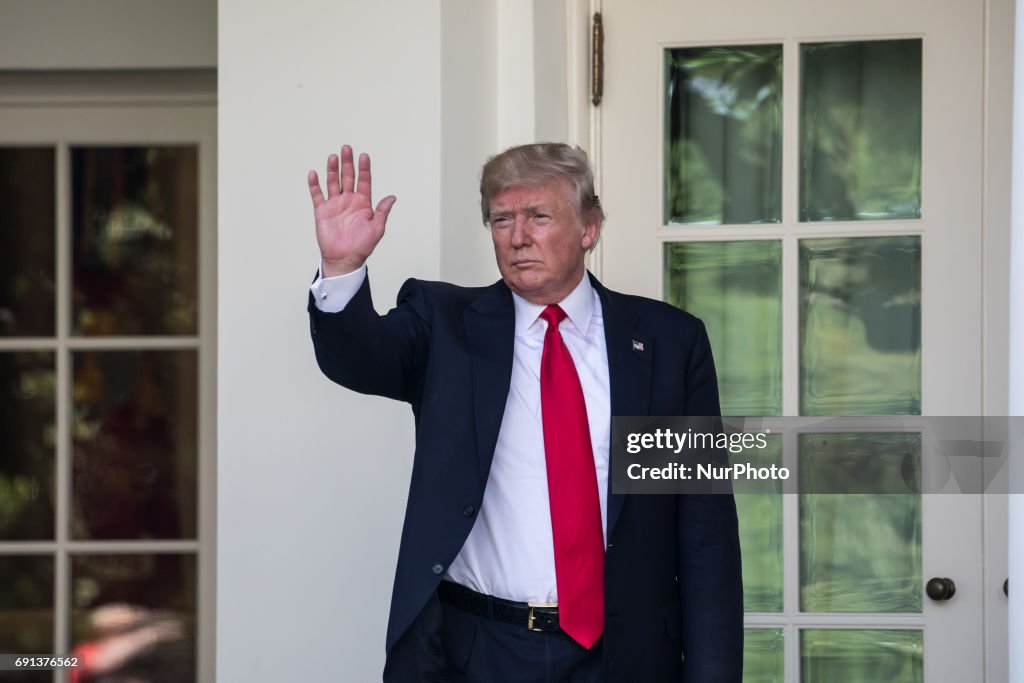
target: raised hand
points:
(347, 227)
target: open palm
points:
(348, 228)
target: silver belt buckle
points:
(529, 616)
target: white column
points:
(312, 478)
(516, 85)
(1016, 368)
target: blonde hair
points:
(539, 164)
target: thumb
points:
(380, 214)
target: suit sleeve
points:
(710, 578)
(370, 353)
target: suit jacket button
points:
(468, 510)
(438, 569)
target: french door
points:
(806, 178)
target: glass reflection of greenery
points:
(760, 521)
(763, 655)
(860, 130)
(860, 522)
(860, 326)
(735, 289)
(861, 655)
(723, 135)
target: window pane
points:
(860, 326)
(27, 242)
(860, 130)
(734, 287)
(723, 134)
(143, 606)
(26, 604)
(27, 446)
(867, 656)
(134, 230)
(763, 655)
(134, 457)
(860, 547)
(760, 520)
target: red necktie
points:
(572, 489)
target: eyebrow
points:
(534, 208)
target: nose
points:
(520, 233)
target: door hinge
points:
(597, 60)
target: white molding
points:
(67, 89)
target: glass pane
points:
(723, 134)
(27, 446)
(867, 656)
(142, 607)
(763, 655)
(860, 326)
(134, 229)
(134, 457)
(860, 548)
(734, 287)
(760, 520)
(27, 242)
(26, 604)
(860, 130)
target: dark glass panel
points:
(27, 445)
(134, 249)
(26, 604)
(27, 242)
(135, 440)
(139, 611)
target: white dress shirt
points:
(509, 552)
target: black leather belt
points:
(540, 617)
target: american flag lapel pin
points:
(638, 346)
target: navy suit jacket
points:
(673, 594)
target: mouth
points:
(525, 263)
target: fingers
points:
(380, 214)
(315, 193)
(365, 181)
(348, 171)
(337, 183)
(333, 186)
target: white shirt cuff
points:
(332, 294)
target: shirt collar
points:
(578, 307)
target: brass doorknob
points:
(940, 589)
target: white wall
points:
(108, 34)
(312, 478)
(469, 134)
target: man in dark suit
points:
(517, 562)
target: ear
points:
(591, 231)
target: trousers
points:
(483, 650)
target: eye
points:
(501, 222)
(541, 218)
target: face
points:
(539, 241)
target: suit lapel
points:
(490, 331)
(630, 362)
